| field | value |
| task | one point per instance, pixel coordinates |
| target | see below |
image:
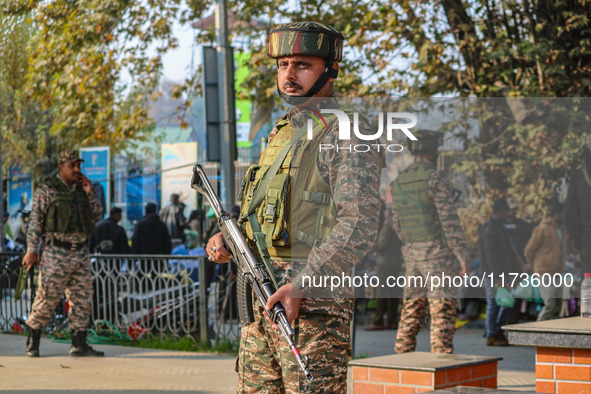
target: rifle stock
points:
(254, 274)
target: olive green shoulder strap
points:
(53, 182)
(259, 194)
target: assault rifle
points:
(252, 274)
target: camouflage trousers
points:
(440, 302)
(62, 270)
(266, 365)
(443, 324)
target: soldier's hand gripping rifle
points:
(251, 271)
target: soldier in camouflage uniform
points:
(64, 214)
(339, 187)
(426, 220)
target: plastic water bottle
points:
(586, 296)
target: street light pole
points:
(227, 140)
(1, 190)
(227, 112)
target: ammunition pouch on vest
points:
(417, 214)
(297, 212)
(69, 212)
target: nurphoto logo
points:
(388, 122)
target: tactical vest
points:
(70, 211)
(417, 214)
(298, 188)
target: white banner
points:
(177, 170)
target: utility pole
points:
(220, 122)
(1, 192)
(227, 112)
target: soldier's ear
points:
(334, 72)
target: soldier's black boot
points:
(33, 342)
(80, 348)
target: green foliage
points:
(479, 48)
(21, 118)
(79, 73)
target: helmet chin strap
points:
(329, 72)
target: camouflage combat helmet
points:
(308, 39)
(428, 141)
(67, 156)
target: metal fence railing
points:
(153, 295)
(10, 309)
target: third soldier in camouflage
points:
(425, 218)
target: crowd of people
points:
(155, 233)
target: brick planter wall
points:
(563, 371)
(386, 381)
(400, 374)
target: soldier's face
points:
(70, 172)
(297, 74)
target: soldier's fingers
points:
(217, 254)
(221, 258)
(218, 251)
(220, 246)
(272, 300)
(275, 326)
(27, 262)
(223, 252)
(212, 243)
(217, 257)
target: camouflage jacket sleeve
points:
(441, 195)
(95, 207)
(395, 222)
(354, 179)
(41, 199)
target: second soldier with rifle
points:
(65, 211)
